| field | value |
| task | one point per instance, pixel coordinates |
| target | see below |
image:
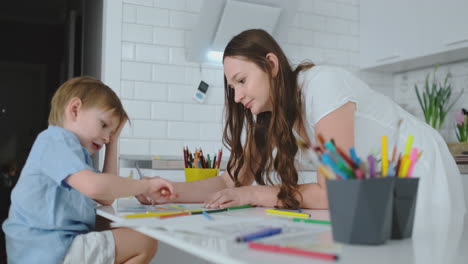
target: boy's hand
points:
(159, 191)
(143, 199)
(115, 137)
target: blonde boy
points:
(52, 216)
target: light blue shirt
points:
(46, 213)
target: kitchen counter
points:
(173, 163)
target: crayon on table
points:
(293, 251)
(177, 207)
(259, 234)
(312, 221)
(239, 207)
(279, 212)
(207, 215)
(174, 215)
(150, 214)
(216, 210)
(195, 212)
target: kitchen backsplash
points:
(405, 94)
(158, 83)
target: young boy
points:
(52, 215)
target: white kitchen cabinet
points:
(403, 35)
(446, 26)
(388, 32)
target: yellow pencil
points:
(409, 142)
(404, 166)
(384, 156)
(419, 154)
(326, 172)
(177, 207)
(150, 214)
(273, 211)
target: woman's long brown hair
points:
(268, 131)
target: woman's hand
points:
(231, 197)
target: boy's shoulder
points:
(55, 136)
(56, 133)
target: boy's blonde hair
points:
(91, 92)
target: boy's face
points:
(94, 127)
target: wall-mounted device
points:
(200, 93)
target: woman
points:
(267, 100)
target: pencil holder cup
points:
(195, 174)
(404, 205)
(361, 210)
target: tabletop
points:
(443, 243)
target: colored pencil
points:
(273, 211)
(174, 215)
(312, 221)
(293, 251)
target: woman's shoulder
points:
(324, 78)
(321, 72)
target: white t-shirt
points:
(327, 88)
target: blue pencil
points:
(207, 215)
(259, 234)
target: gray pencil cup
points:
(404, 205)
(361, 210)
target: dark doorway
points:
(42, 45)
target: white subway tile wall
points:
(158, 82)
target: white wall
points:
(157, 82)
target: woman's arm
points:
(198, 191)
(338, 125)
(314, 196)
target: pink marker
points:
(413, 159)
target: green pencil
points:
(239, 207)
(196, 212)
(312, 221)
(215, 210)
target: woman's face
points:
(251, 85)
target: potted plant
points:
(462, 125)
(461, 118)
(435, 100)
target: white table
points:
(438, 244)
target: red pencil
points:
(185, 157)
(174, 215)
(220, 154)
(293, 251)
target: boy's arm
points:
(110, 166)
(110, 159)
(106, 186)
